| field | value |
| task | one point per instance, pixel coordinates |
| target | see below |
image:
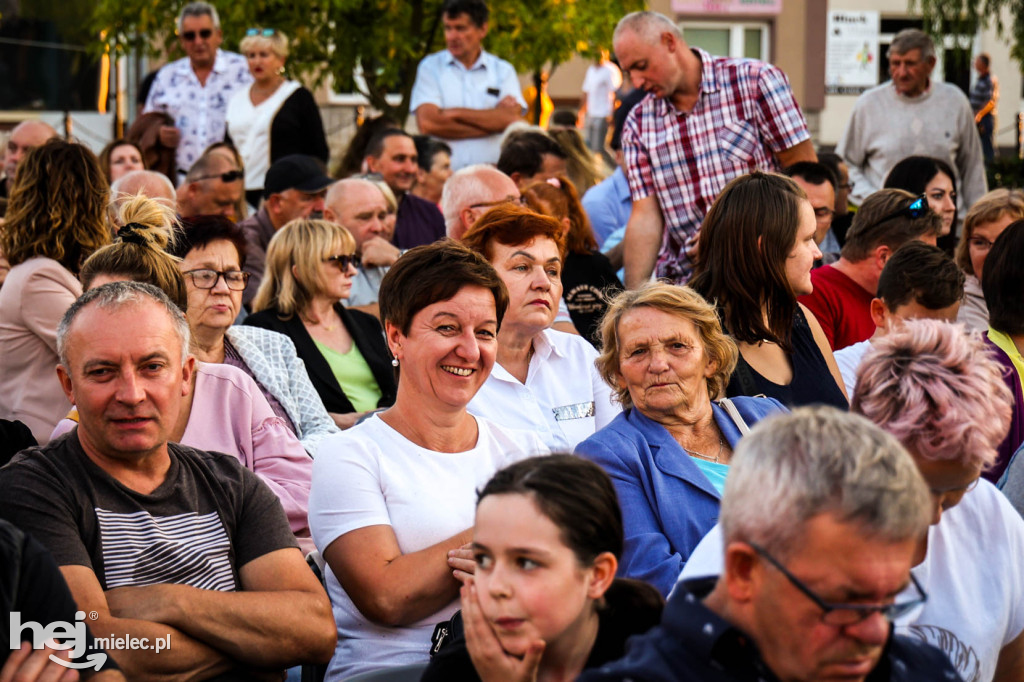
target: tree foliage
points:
(964, 17)
(374, 46)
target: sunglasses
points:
(914, 210)
(204, 33)
(230, 176)
(265, 32)
(344, 261)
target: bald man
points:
(149, 183)
(359, 206)
(470, 192)
(25, 136)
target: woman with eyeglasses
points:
(310, 266)
(755, 251)
(985, 221)
(273, 117)
(212, 253)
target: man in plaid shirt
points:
(705, 121)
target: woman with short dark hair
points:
(391, 506)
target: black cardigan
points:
(366, 333)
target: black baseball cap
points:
(295, 171)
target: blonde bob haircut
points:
(277, 42)
(681, 302)
(997, 204)
(292, 276)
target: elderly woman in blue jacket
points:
(668, 453)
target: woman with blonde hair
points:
(580, 162)
(985, 221)
(274, 117)
(56, 217)
(668, 361)
(309, 269)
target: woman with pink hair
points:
(941, 393)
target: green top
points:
(353, 375)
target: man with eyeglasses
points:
(820, 185)
(213, 186)
(472, 191)
(294, 187)
(822, 515)
(196, 89)
(843, 291)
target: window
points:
(729, 40)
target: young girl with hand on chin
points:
(543, 603)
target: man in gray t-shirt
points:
(158, 540)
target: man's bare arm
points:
(802, 151)
(493, 120)
(432, 120)
(642, 241)
(282, 616)
(185, 659)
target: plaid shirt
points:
(744, 115)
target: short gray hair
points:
(198, 9)
(144, 181)
(464, 188)
(791, 468)
(647, 25)
(913, 39)
(114, 296)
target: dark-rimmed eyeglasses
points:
(206, 278)
(914, 210)
(230, 176)
(265, 32)
(847, 614)
(518, 201)
(204, 33)
(344, 261)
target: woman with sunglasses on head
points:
(934, 179)
(843, 291)
(310, 266)
(273, 117)
(211, 250)
(755, 251)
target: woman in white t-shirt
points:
(392, 503)
(274, 117)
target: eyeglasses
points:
(265, 32)
(205, 278)
(204, 33)
(980, 243)
(230, 176)
(344, 261)
(518, 201)
(847, 614)
(914, 210)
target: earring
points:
(394, 362)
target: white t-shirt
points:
(371, 475)
(848, 360)
(971, 574)
(564, 399)
(600, 84)
(249, 128)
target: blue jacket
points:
(668, 504)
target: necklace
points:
(716, 459)
(312, 323)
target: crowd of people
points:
(478, 406)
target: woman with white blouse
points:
(273, 117)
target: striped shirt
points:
(745, 114)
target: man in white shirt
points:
(195, 90)
(598, 100)
(463, 94)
